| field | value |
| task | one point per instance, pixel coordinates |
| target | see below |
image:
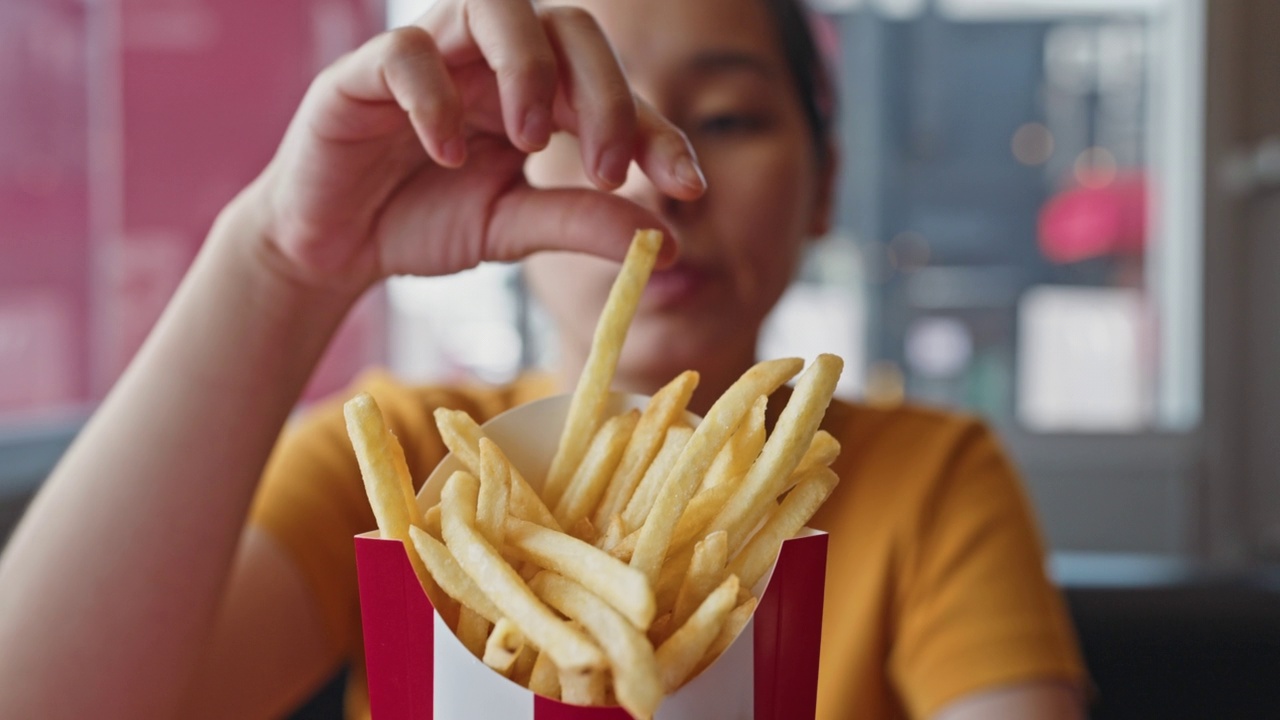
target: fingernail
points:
(613, 165)
(688, 174)
(453, 151)
(536, 130)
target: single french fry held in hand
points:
(711, 434)
(623, 587)
(503, 646)
(587, 405)
(782, 451)
(797, 508)
(461, 435)
(602, 458)
(568, 648)
(635, 667)
(679, 655)
(664, 409)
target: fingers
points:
(404, 67)
(510, 38)
(615, 127)
(665, 154)
(563, 62)
(598, 104)
(528, 220)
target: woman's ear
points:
(825, 192)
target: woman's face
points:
(717, 70)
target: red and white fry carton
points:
(418, 670)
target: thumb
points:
(528, 220)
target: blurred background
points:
(1062, 215)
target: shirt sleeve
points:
(976, 610)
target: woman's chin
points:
(657, 351)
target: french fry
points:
(386, 479)
(647, 492)
(455, 582)
(711, 434)
(472, 630)
(680, 653)
(663, 410)
(503, 646)
(732, 462)
(569, 648)
(587, 404)
(598, 465)
(495, 488)
(821, 453)
(621, 586)
(462, 436)
(761, 551)
(431, 523)
(733, 627)
(635, 668)
(626, 547)
(661, 629)
(706, 570)
(735, 458)
(790, 439)
(584, 531)
(522, 668)
(544, 678)
(583, 688)
(612, 534)
(823, 450)
(671, 578)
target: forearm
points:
(148, 504)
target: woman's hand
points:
(407, 155)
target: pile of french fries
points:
(631, 566)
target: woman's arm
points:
(112, 581)
(406, 156)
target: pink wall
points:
(123, 129)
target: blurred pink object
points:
(1090, 222)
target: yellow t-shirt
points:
(935, 577)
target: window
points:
(1019, 228)
(1023, 184)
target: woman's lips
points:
(675, 285)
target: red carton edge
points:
(398, 621)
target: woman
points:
(134, 588)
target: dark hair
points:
(808, 69)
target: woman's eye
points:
(730, 123)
